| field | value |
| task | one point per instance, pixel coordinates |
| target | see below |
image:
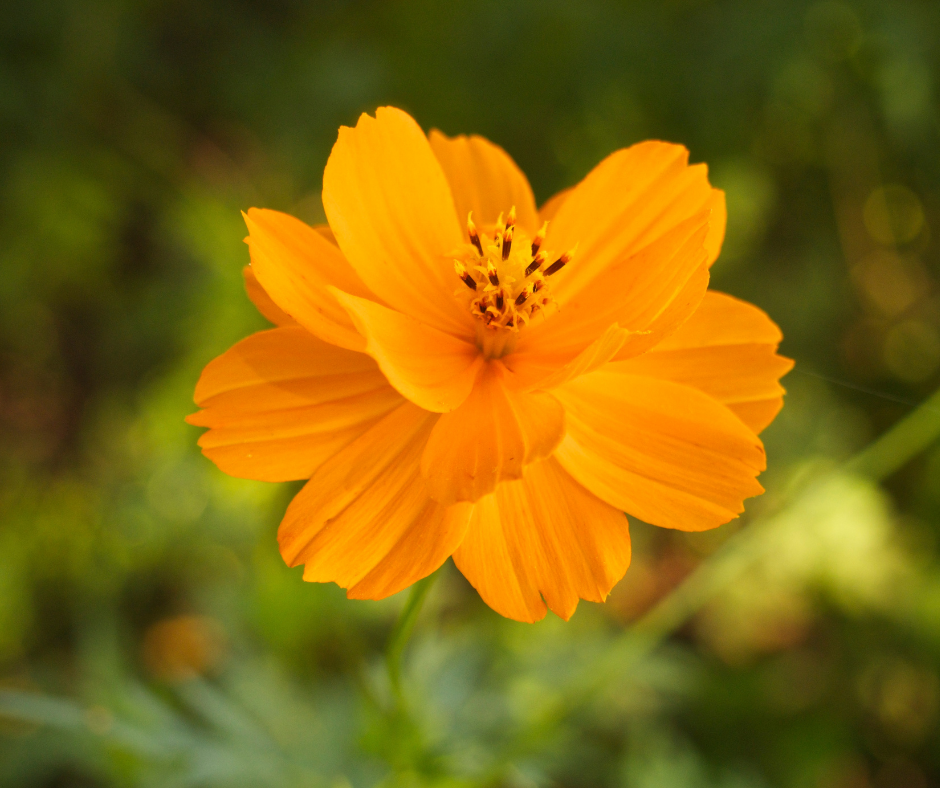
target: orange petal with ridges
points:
(728, 350)
(546, 370)
(649, 293)
(626, 202)
(718, 223)
(666, 453)
(365, 522)
(296, 265)
(543, 540)
(391, 210)
(722, 319)
(489, 438)
(281, 402)
(670, 319)
(484, 179)
(262, 301)
(433, 369)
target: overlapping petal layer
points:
(543, 540)
(431, 368)
(391, 210)
(484, 179)
(365, 521)
(281, 402)
(629, 200)
(489, 438)
(664, 452)
(649, 293)
(295, 265)
(262, 301)
(546, 369)
(728, 350)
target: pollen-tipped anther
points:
(560, 263)
(539, 239)
(491, 274)
(508, 232)
(462, 272)
(535, 264)
(521, 298)
(474, 235)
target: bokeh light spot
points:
(912, 350)
(890, 282)
(893, 214)
(180, 648)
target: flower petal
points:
(281, 402)
(326, 231)
(758, 414)
(543, 540)
(391, 209)
(649, 293)
(661, 451)
(489, 438)
(626, 202)
(545, 369)
(365, 522)
(728, 350)
(295, 265)
(717, 224)
(484, 179)
(433, 369)
(262, 301)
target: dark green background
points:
(133, 133)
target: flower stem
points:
(402, 632)
(905, 440)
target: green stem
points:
(402, 632)
(905, 440)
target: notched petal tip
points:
(664, 452)
(543, 542)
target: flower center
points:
(507, 280)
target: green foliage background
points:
(133, 133)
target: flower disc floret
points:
(506, 277)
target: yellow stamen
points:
(539, 239)
(508, 232)
(537, 262)
(474, 235)
(462, 272)
(492, 274)
(561, 262)
(506, 274)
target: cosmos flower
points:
(459, 374)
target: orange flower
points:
(460, 374)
